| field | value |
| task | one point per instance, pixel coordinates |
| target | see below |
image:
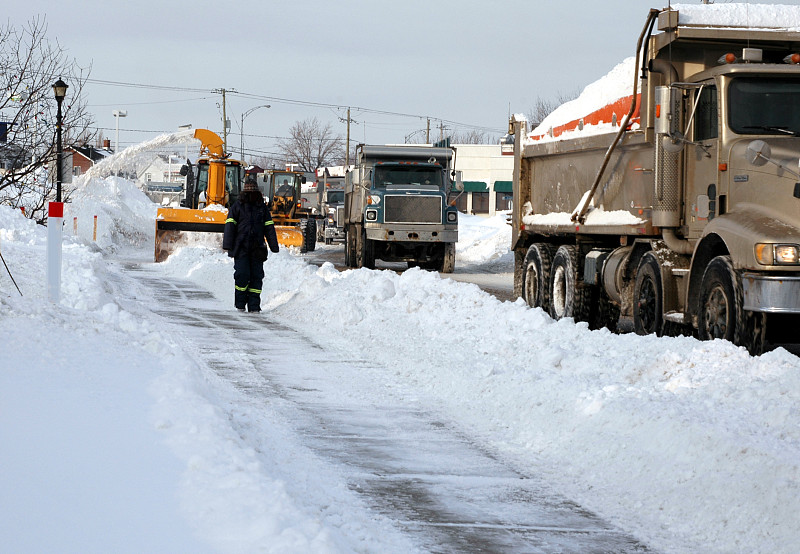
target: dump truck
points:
(396, 209)
(211, 186)
(331, 188)
(295, 223)
(681, 207)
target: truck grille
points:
(413, 209)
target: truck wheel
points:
(309, 229)
(536, 275)
(358, 247)
(348, 248)
(648, 311)
(449, 258)
(721, 313)
(567, 298)
(368, 246)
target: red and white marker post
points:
(55, 220)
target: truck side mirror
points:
(459, 184)
(184, 170)
(303, 179)
(758, 153)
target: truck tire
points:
(448, 263)
(309, 229)
(357, 254)
(536, 275)
(604, 313)
(648, 294)
(721, 309)
(348, 248)
(368, 249)
(567, 297)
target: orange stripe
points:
(603, 115)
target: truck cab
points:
(396, 207)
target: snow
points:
(618, 82)
(117, 438)
(595, 215)
(752, 16)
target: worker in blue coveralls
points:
(248, 224)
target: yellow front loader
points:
(214, 184)
(211, 187)
(294, 222)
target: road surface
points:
(440, 487)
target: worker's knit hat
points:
(250, 184)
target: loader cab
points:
(227, 171)
(282, 190)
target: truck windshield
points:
(335, 197)
(408, 175)
(764, 106)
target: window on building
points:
(460, 200)
(148, 177)
(480, 202)
(503, 201)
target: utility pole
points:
(428, 132)
(441, 131)
(347, 145)
(224, 117)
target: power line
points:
(295, 102)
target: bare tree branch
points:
(29, 64)
(311, 145)
(544, 107)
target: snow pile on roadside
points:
(90, 393)
(125, 215)
(483, 240)
(690, 445)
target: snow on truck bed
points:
(593, 111)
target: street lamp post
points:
(60, 91)
(185, 146)
(117, 114)
(241, 128)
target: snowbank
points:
(690, 446)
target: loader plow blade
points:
(289, 236)
(171, 223)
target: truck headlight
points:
(373, 199)
(372, 215)
(777, 254)
(452, 217)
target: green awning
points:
(475, 186)
(503, 186)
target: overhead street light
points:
(185, 146)
(241, 128)
(60, 91)
(117, 114)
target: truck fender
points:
(735, 234)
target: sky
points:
(466, 64)
(688, 446)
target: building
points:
(487, 175)
(79, 159)
(164, 169)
